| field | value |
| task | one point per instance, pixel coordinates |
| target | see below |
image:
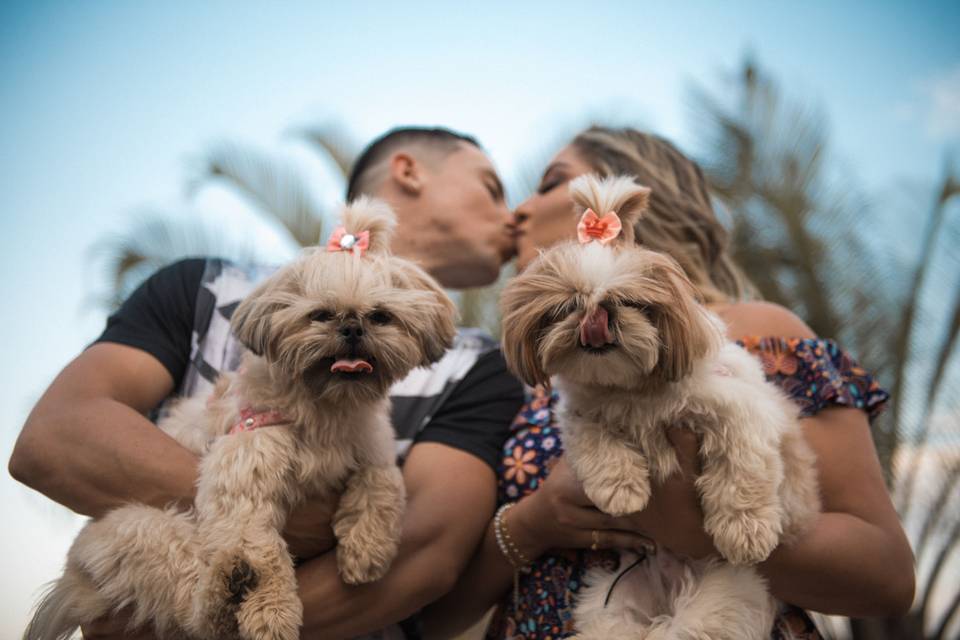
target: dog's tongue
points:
(593, 329)
(351, 366)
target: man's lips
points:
(351, 365)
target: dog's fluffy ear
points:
(436, 334)
(686, 331)
(251, 320)
(523, 309)
(372, 215)
(620, 194)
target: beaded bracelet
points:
(510, 551)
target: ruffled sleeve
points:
(817, 374)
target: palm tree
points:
(272, 185)
(799, 233)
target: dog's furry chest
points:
(328, 454)
(628, 416)
(715, 385)
(325, 446)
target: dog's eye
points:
(380, 317)
(560, 312)
(321, 315)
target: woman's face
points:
(546, 217)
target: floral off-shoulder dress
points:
(815, 373)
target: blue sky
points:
(102, 105)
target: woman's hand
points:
(559, 514)
(674, 516)
(309, 531)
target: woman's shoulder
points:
(759, 318)
(815, 372)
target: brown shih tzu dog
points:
(617, 329)
(307, 411)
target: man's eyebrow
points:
(496, 181)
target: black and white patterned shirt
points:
(181, 315)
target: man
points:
(88, 445)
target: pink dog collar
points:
(251, 419)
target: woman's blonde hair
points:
(680, 221)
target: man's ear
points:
(405, 171)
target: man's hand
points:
(308, 531)
(114, 627)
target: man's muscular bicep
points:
(128, 375)
(87, 444)
(105, 371)
(451, 496)
(450, 499)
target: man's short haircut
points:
(439, 138)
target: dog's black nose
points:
(352, 332)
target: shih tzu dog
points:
(307, 411)
(617, 329)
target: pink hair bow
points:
(340, 240)
(593, 227)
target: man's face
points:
(463, 213)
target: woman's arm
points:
(856, 559)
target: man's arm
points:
(451, 497)
(87, 443)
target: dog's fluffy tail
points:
(620, 194)
(67, 603)
(371, 215)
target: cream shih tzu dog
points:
(617, 329)
(307, 411)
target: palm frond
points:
(764, 160)
(948, 616)
(935, 512)
(939, 566)
(333, 142)
(273, 185)
(949, 188)
(153, 240)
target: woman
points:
(855, 560)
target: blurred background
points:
(136, 133)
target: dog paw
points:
(618, 497)
(240, 580)
(272, 612)
(360, 565)
(743, 538)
